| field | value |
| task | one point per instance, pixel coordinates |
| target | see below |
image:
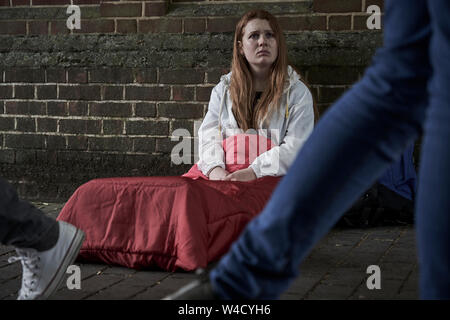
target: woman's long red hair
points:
(241, 86)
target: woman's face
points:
(259, 44)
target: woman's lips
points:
(263, 53)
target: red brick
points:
(180, 110)
(25, 141)
(56, 108)
(50, 2)
(144, 75)
(95, 26)
(58, 27)
(112, 126)
(332, 75)
(303, 23)
(5, 93)
(46, 92)
(112, 93)
(80, 126)
(182, 93)
(55, 142)
(204, 93)
(4, 3)
(20, 2)
(194, 25)
(76, 75)
(23, 92)
(181, 76)
(222, 24)
(154, 9)
(339, 23)
(147, 93)
(126, 26)
(110, 109)
(25, 107)
(334, 6)
(46, 125)
(79, 92)
(56, 75)
(121, 10)
(38, 27)
(145, 110)
(144, 144)
(77, 142)
(24, 75)
(215, 74)
(13, 27)
(150, 127)
(379, 3)
(360, 23)
(7, 124)
(111, 75)
(26, 124)
(110, 144)
(160, 25)
(182, 124)
(77, 2)
(78, 108)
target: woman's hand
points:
(218, 173)
(241, 175)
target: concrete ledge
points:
(238, 9)
(179, 50)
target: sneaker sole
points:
(70, 257)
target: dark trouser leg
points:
(22, 225)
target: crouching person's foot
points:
(199, 289)
(44, 271)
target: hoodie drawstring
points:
(287, 101)
(220, 109)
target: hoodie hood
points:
(292, 78)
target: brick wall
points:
(105, 100)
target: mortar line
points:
(380, 259)
(340, 262)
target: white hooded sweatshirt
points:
(289, 127)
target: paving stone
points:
(345, 277)
(300, 287)
(131, 286)
(334, 269)
(10, 288)
(395, 271)
(9, 272)
(4, 257)
(5, 249)
(89, 287)
(325, 292)
(389, 290)
(163, 288)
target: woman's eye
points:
(269, 35)
(254, 36)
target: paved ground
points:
(335, 269)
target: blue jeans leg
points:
(353, 143)
(433, 204)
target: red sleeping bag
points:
(169, 222)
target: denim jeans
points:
(404, 93)
(22, 225)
